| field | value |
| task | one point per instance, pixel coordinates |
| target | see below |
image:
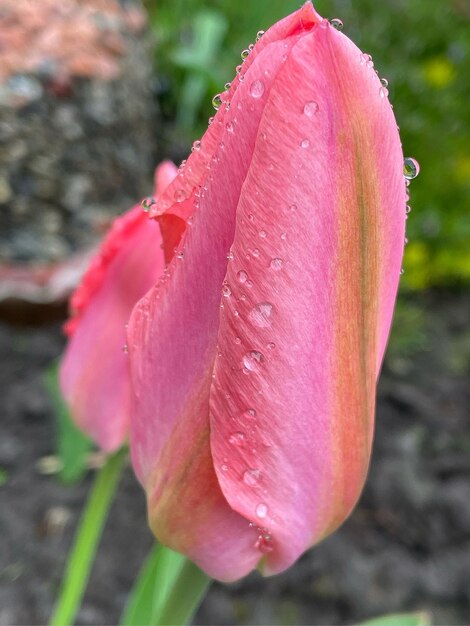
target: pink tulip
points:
(94, 373)
(254, 359)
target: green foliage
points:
(400, 619)
(72, 445)
(423, 49)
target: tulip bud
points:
(94, 373)
(254, 363)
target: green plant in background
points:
(423, 49)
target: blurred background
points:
(93, 93)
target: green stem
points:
(81, 557)
(187, 593)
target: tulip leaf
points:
(400, 619)
(73, 446)
(168, 590)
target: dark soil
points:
(406, 547)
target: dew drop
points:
(237, 439)
(260, 315)
(250, 413)
(227, 86)
(252, 360)
(276, 264)
(264, 543)
(251, 477)
(283, 236)
(226, 291)
(237, 340)
(310, 108)
(305, 143)
(229, 127)
(238, 69)
(147, 203)
(196, 146)
(383, 92)
(224, 467)
(408, 209)
(180, 195)
(242, 276)
(210, 120)
(259, 34)
(337, 24)
(217, 101)
(125, 348)
(255, 253)
(180, 255)
(262, 234)
(244, 54)
(410, 168)
(257, 88)
(271, 345)
(384, 82)
(261, 510)
(229, 256)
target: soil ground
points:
(406, 547)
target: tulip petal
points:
(173, 336)
(94, 372)
(317, 254)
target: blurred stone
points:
(76, 115)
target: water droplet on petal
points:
(310, 108)
(237, 439)
(229, 256)
(384, 82)
(271, 345)
(226, 291)
(210, 120)
(217, 101)
(259, 34)
(125, 348)
(242, 276)
(383, 92)
(262, 234)
(257, 88)
(337, 24)
(260, 314)
(408, 209)
(305, 143)
(252, 360)
(276, 264)
(261, 510)
(147, 203)
(410, 168)
(264, 543)
(255, 253)
(251, 477)
(196, 146)
(244, 54)
(227, 86)
(224, 467)
(250, 413)
(283, 236)
(229, 127)
(237, 340)
(180, 195)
